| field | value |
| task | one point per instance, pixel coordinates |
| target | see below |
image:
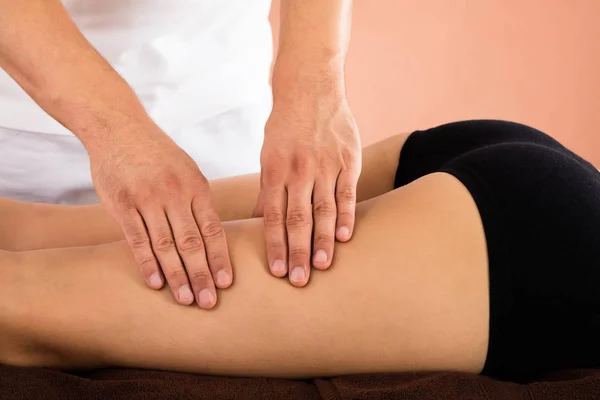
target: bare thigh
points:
(408, 292)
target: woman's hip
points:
(540, 208)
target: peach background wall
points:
(414, 64)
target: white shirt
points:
(200, 67)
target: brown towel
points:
(38, 383)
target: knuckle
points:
(124, 200)
(276, 248)
(298, 218)
(176, 275)
(200, 192)
(138, 240)
(298, 253)
(346, 193)
(327, 164)
(271, 156)
(203, 182)
(164, 244)
(272, 173)
(300, 165)
(211, 228)
(349, 156)
(216, 259)
(171, 182)
(346, 215)
(190, 242)
(147, 262)
(273, 217)
(143, 195)
(325, 208)
(200, 275)
(323, 238)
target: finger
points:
(163, 245)
(299, 232)
(345, 197)
(191, 248)
(324, 216)
(137, 237)
(215, 242)
(275, 202)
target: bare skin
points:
(409, 292)
(310, 159)
(154, 190)
(51, 226)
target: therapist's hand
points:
(162, 201)
(310, 164)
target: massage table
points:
(133, 384)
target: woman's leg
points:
(52, 226)
(29, 226)
(409, 292)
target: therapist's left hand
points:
(310, 164)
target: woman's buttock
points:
(540, 208)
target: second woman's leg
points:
(28, 226)
(409, 292)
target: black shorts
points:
(540, 207)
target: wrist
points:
(120, 137)
(296, 78)
(96, 117)
(310, 66)
(101, 123)
(311, 54)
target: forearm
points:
(44, 51)
(313, 43)
(315, 30)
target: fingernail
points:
(278, 267)
(320, 256)
(185, 294)
(223, 278)
(206, 298)
(155, 281)
(343, 232)
(298, 275)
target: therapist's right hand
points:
(162, 201)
